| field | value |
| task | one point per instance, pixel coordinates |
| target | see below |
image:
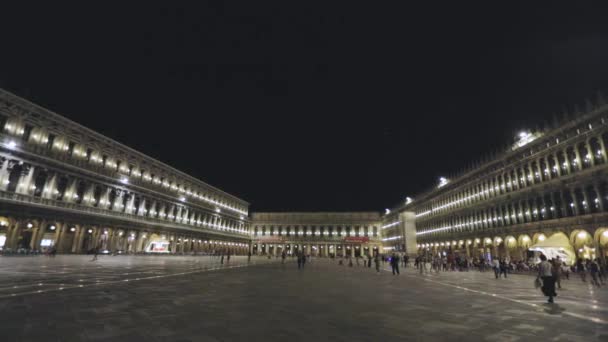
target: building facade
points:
(547, 193)
(66, 186)
(325, 234)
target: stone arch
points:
(497, 240)
(487, 241)
(524, 241)
(580, 237)
(601, 237)
(538, 237)
(476, 242)
(511, 242)
(582, 242)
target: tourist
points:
(580, 269)
(557, 271)
(377, 263)
(299, 260)
(303, 259)
(228, 258)
(545, 273)
(594, 269)
(283, 256)
(602, 270)
(503, 268)
(369, 261)
(496, 267)
(565, 271)
(222, 259)
(96, 252)
(249, 257)
(395, 263)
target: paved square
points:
(170, 298)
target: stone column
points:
(59, 236)
(568, 163)
(588, 204)
(24, 185)
(549, 174)
(531, 180)
(600, 200)
(4, 175)
(590, 153)
(37, 230)
(574, 203)
(558, 165)
(602, 148)
(77, 233)
(577, 156)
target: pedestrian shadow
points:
(553, 309)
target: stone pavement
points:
(197, 299)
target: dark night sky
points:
(301, 108)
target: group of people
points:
(394, 260)
(550, 273)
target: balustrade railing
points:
(52, 203)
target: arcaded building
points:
(66, 186)
(326, 234)
(548, 192)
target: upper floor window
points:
(71, 145)
(27, 132)
(50, 141)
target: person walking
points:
(395, 263)
(503, 268)
(594, 270)
(369, 261)
(580, 269)
(406, 259)
(299, 260)
(248, 257)
(602, 270)
(377, 263)
(222, 259)
(557, 271)
(96, 253)
(496, 267)
(283, 256)
(228, 258)
(303, 260)
(546, 274)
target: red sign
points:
(357, 239)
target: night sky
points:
(290, 107)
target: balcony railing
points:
(84, 209)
